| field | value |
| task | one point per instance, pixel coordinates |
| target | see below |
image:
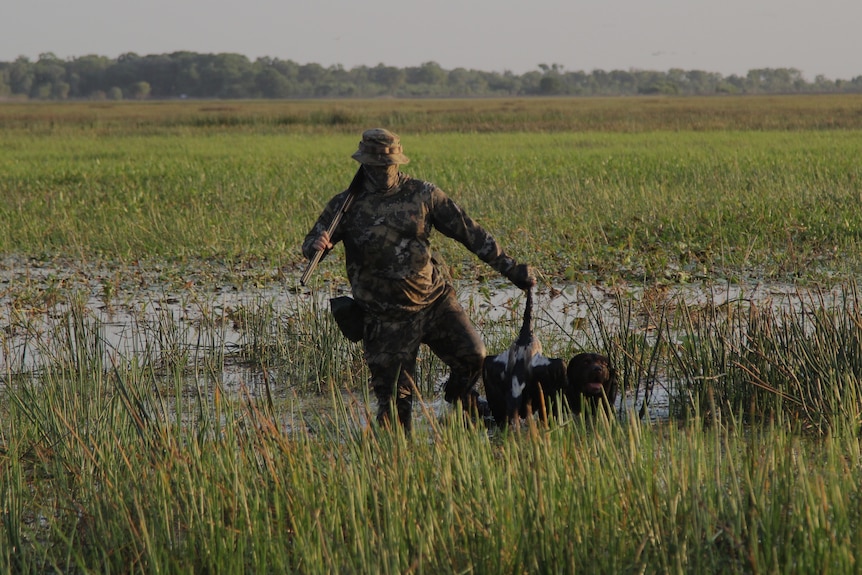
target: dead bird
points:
(521, 381)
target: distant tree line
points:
(234, 76)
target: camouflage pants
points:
(391, 348)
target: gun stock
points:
(352, 190)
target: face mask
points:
(382, 177)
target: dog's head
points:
(592, 376)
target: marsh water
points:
(203, 319)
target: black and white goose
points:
(521, 381)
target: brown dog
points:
(591, 380)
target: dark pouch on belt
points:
(349, 317)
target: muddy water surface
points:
(193, 312)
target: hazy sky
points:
(725, 36)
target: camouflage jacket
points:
(387, 243)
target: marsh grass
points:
(144, 463)
(234, 438)
(802, 359)
(817, 112)
(679, 197)
(130, 490)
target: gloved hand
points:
(522, 276)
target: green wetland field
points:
(173, 401)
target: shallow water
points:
(134, 309)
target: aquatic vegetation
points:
(171, 400)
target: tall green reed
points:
(107, 467)
(575, 497)
(800, 359)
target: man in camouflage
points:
(395, 280)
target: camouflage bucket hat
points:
(380, 147)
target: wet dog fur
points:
(592, 382)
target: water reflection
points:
(205, 332)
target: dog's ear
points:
(578, 361)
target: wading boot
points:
(404, 407)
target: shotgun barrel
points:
(352, 190)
